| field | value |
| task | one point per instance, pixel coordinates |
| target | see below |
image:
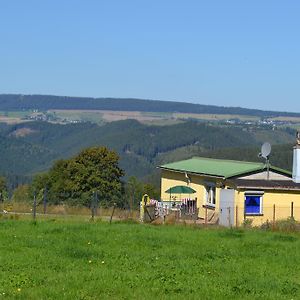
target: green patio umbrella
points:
(180, 189)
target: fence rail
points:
(236, 216)
(37, 211)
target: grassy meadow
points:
(72, 259)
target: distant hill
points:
(10, 102)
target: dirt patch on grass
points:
(21, 132)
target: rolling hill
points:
(18, 102)
(32, 147)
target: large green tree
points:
(76, 180)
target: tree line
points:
(46, 102)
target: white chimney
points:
(296, 160)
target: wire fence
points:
(227, 215)
(42, 208)
(269, 214)
(238, 215)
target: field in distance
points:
(152, 118)
(83, 260)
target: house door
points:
(226, 215)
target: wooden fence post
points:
(45, 200)
(292, 210)
(274, 212)
(34, 206)
(205, 216)
(96, 203)
(236, 216)
(93, 206)
(112, 214)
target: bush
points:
(247, 223)
(287, 225)
(266, 226)
(290, 224)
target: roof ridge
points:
(228, 160)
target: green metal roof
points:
(219, 167)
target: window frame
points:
(210, 188)
(259, 194)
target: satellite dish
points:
(265, 150)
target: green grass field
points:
(15, 114)
(60, 259)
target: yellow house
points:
(231, 192)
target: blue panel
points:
(252, 204)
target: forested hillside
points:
(32, 147)
(45, 102)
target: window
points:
(253, 204)
(210, 195)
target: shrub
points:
(247, 223)
(290, 224)
(266, 225)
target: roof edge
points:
(190, 172)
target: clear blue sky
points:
(230, 53)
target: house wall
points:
(170, 179)
(264, 175)
(282, 201)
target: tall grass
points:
(56, 259)
(26, 207)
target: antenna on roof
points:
(265, 153)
